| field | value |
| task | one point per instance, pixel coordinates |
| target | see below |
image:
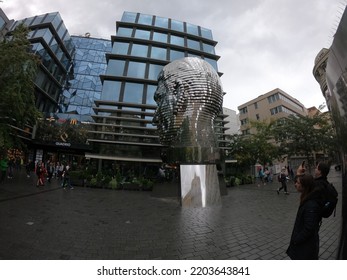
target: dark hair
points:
(324, 168)
(307, 184)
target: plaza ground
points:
(253, 223)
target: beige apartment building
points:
(272, 105)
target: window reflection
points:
(177, 25)
(142, 34)
(111, 90)
(192, 29)
(154, 71)
(124, 32)
(133, 93)
(160, 37)
(136, 69)
(158, 53)
(145, 19)
(175, 40)
(120, 48)
(139, 50)
(161, 22)
(115, 67)
(176, 55)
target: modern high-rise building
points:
(111, 83)
(84, 85)
(232, 122)
(5, 24)
(272, 105)
(319, 72)
(51, 42)
(143, 45)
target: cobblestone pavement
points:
(52, 223)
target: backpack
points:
(330, 199)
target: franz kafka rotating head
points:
(189, 97)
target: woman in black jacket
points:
(304, 242)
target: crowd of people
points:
(44, 171)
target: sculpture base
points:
(199, 185)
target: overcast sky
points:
(263, 44)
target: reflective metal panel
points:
(336, 96)
(189, 97)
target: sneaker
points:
(286, 192)
(71, 188)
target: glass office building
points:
(84, 85)
(51, 42)
(142, 46)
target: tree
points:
(304, 135)
(255, 148)
(18, 68)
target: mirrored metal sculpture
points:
(336, 97)
(189, 97)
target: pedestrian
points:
(40, 173)
(304, 241)
(3, 167)
(28, 168)
(66, 176)
(261, 175)
(282, 178)
(50, 170)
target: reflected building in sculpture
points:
(330, 72)
(143, 45)
(189, 98)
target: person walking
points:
(66, 176)
(3, 167)
(282, 178)
(304, 241)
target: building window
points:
(142, 34)
(192, 29)
(154, 71)
(177, 25)
(243, 110)
(273, 98)
(176, 40)
(257, 117)
(193, 44)
(133, 93)
(161, 22)
(145, 19)
(115, 68)
(150, 94)
(212, 62)
(139, 50)
(176, 55)
(111, 90)
(276, 110)
(208, 48)
(136, 69)
(244, 121)
(120, 48)
(206, 33)
(124, 32)
(158, 53)
(255, 105)
(159, 37)
(129, 17)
